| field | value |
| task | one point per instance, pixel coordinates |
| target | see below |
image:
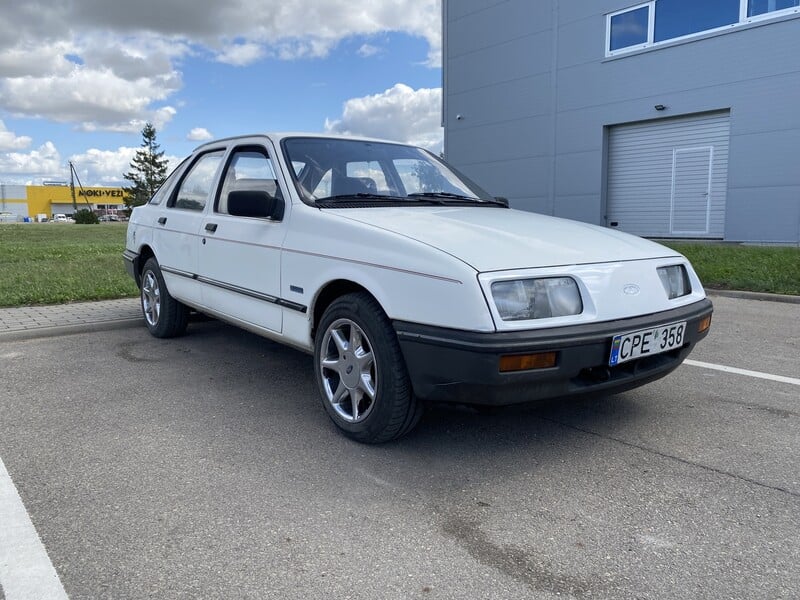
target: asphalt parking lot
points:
(204, 467)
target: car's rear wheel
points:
(165, 317)
(360, 372)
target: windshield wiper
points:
(359, 196)
(443, 195)
(437, 198)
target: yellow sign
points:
(102, 193)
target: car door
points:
(239, 257)
(176, 230)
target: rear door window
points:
(195, 189)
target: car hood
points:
(494, 239)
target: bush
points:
(86, 217)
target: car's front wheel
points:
(360, 372)
(165, 317)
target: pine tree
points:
(148, 170)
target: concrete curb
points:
(58, 330)
(762, 296)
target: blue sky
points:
(78, 78)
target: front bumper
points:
(460, 366)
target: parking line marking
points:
(25, 569)
(758, 374)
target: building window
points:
(677, 18)
(660, 21)
(761, 7)
(629, 28)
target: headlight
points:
(523, 299)
(675, 281)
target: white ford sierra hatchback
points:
(406, 280)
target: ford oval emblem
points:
(631, 289)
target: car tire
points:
(164, 316)
(361, 374)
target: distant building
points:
(667, 119)
(53, 198)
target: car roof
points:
(277, 137)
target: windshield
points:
(330, 171)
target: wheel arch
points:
(145, 252)
(329, 293)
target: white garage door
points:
(669, 178)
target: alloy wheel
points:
(348, 369)
(151, 298)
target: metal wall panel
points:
(12, 192)
(530, 99)
(19, 209)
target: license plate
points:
(646, 342)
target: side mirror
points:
(255, 203)
(502, 200)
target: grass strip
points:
(53, 263)
(772, 269)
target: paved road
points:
(204, 467)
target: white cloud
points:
(94, 167)
(367, 50)
(11, 141)
(42, 163)
(103, 167)
(199, 134)
(107, 167)
(400, 113)
(35, 60)
(240, 55)
(93, 95)
(114, 65)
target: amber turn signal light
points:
(526, 362)
(704, 324)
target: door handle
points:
(212, 227)
(162, 220)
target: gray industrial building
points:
(667, 119)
